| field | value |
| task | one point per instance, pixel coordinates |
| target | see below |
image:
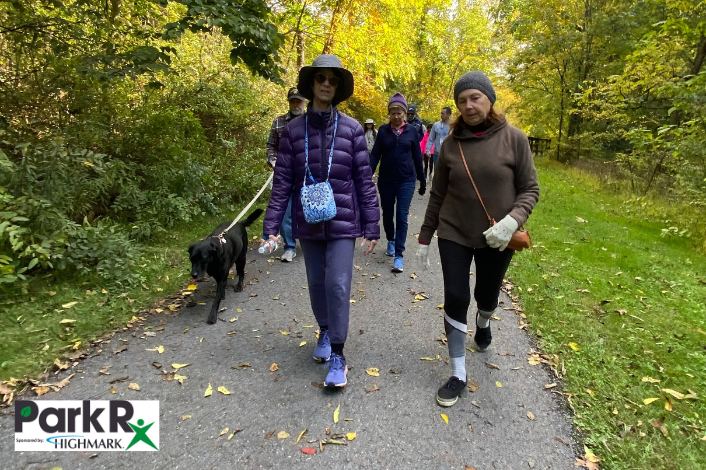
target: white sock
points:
(481, 319)
(458, 364)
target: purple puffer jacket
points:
(357, 210)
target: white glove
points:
(499, 235)
(423, 257)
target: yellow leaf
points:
(350, 436)
(234, 433)
(134, 386)
(428, 359)
(67, 320)
(113, 390)
(302, 343)
(88, 164)
(650, 380)
(192, 287)
(76, 345)
(209, 391)
(282, 435)
(185, 417)
(223, 390)
(374, 371)
(180, 378)
(233, 319)
(286, 333)
(574, 346)
(445, 418)
(335, 414)
(674, 393)
(159, 349)
(440, 306)
(179, 366)
(223, 432)
(534, 360)
(590, 455)
(591, 392)
(647, 401)
(668, 404)
(240, 310)
(274, 367)
(498, 384)
(301, 434)
(69, 305)
(530, 415)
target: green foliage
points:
(635, 304)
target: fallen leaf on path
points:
(498, 384)
(445, 418)
(113, 390)
(534, 360)
(104, 370)
(374, 388)
(119, 350)
(209, 391)
(427, 359)
(185, 417)
(269, 434)
(192, 287)
(473, 385)
(336, 413)
(309, 450)
(469, 468)
(302, 343)
(318, 384)
(350, 436)
(395, 371)
(41, 390)
(157, 365)
(159, 349)
(223, 390)
(286, 333)
(234, 319)
(548, 386)
(274, 367)
(440, 306)
(374, 371)
(134, 386)
(179, 366)
(223, 432)
(301, 434)
(491, 366)
(234, 433)
(282, 435)
(530, 415)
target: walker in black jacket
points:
(400, 159)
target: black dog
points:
(216, 254)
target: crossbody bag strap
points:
(491, 221)
(307, 172)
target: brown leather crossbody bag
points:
(521, 238)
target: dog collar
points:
(221, 239)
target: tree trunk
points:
(300, 49)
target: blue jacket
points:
(400, 156)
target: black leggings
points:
(491, 265)
(428, 165)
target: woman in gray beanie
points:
(498, 158)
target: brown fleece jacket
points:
(501, 163)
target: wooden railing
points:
(539, 146)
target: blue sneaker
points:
(322, 352)
(390, 248)
(397, 265)
(337, 372)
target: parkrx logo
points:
(67, 425)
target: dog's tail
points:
(252, 218)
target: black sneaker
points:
(483, 337)
(449, 392)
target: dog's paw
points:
(238, 288)
(211, 321)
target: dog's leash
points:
(247, 208)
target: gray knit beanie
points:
(475, 80)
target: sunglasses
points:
(321, 78)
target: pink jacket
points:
(423, 143)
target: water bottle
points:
(269, 246)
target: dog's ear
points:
(191, 248)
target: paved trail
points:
(398, 426)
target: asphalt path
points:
(395, 417)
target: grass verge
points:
(60, 317)
(624, 310)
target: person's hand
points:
(274, 238)
(423, 256)
(422, 187)
(499, 235)
(370, 247)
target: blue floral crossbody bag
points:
(317, 198)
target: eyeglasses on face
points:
(321, 78)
